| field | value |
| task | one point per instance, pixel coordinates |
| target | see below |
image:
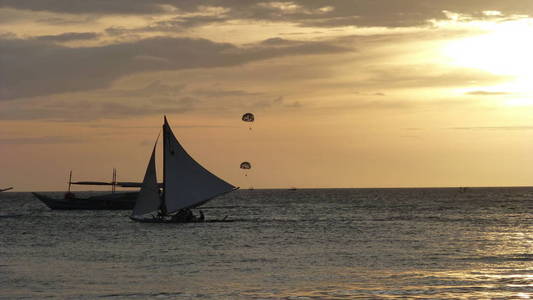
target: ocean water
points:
(302, 244)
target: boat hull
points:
(115, 201)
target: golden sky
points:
(359, 93)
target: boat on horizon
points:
(6, 189)
(186, 185)
(111, 201)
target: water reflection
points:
(434, 285)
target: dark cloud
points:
(69, 36)
(186, 22)
(34, 68)
(323, 13)
(178, 24)
(105, 104)
(277, 42)
(68, 21)
(88, 7)
(117, 30)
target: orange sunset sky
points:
(360, 93)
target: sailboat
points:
(186, 184)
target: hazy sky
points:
(347, 93)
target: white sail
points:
(148, 199)
(186, 183)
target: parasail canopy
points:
(248, 117)
(246, 165)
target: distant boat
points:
(186, 185)
(112, 201)
(6, 189)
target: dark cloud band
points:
(389, 13)
(35, 68)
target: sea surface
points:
(284, 244)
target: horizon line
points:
(305, 188)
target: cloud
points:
(79, 110)
(278, 102)
(486, 93)
(67, 20)
(154, 88)
(177, 24)
(35, 68)
(100, 105)
(512, 128)
(398, 104)
(41, 140)
(219, 93)
(277, 42)
(69, 36)
(185, 22)
(317, 13)
(380, 105)
(420, 77)
(88, 7)
(158, 106)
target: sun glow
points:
(505, 50)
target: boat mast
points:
(69, 181)
(163, 200)
(114, 181)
